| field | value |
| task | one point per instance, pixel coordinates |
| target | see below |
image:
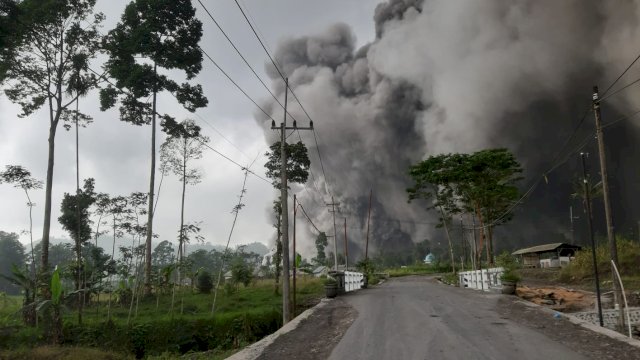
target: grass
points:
(240, 317)
(62, 353)
(419, 269)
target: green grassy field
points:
(420, 269)
(155, 329)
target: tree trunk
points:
(181, 244)
(147, 261)
(30, 204)
(491, 256)
(79, 266)
(44, 265)
(446, 230)
(482, 235)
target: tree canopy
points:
(482, 183)
(298, 163)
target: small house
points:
(547, 256)
(320, 271)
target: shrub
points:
(204, 282)
(581, 268)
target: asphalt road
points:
(415, 318)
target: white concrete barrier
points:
(353, 281)
(484, 279)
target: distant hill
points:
(257, 247)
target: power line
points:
(244, 168)
(282, 75)
(244, 59)
(326, 181)
(195, 113)
(621, 75)
(619, 90)
(308, 218)
(261, 43)
(236, 84)
(239, 53)
(621, 119)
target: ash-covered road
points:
(416, 318)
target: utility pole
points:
(295, 211)
(335, 234)
(346, 247)
(366, 246)
(571, 218)
(286, 316)
(464, 253)
(587, 193)
(613, 248)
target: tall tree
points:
(297, 166)
(163, 254)
(298, 163)
(482, 183)
(52, 46)
(176, 155)
(75, 218)
(321, 244)
(153, 34)
(21, 178)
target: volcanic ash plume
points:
(455, 76)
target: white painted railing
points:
(353, 280)
(484, 279)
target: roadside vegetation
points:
(243, 315)
(580, 271)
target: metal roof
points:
(544, 248)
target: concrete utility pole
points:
(587, 195)
(346, 247)
(286, 315)
(366, 246)
(335, 234)
(572, 230)
(613, 248)
(295, 208)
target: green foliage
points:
(421, 269)
(480, 182)
(162, 254)
(75, 216)
(243, 317)
(204, 283)
(509, 264)
(321, 244)
(240, 272)
(329, 281)
(19, 177)
(177, 152)
(367, 267)
(12, 254)
(581, 268)
(56, 287)
(450, 279)
(166, 33)
(297, 166)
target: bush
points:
(204, 282)
(581, 268)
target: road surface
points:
(416, 318)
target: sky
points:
(116, 154)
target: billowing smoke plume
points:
(458, 76)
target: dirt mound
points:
(557, 298)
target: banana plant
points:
(53, 307)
